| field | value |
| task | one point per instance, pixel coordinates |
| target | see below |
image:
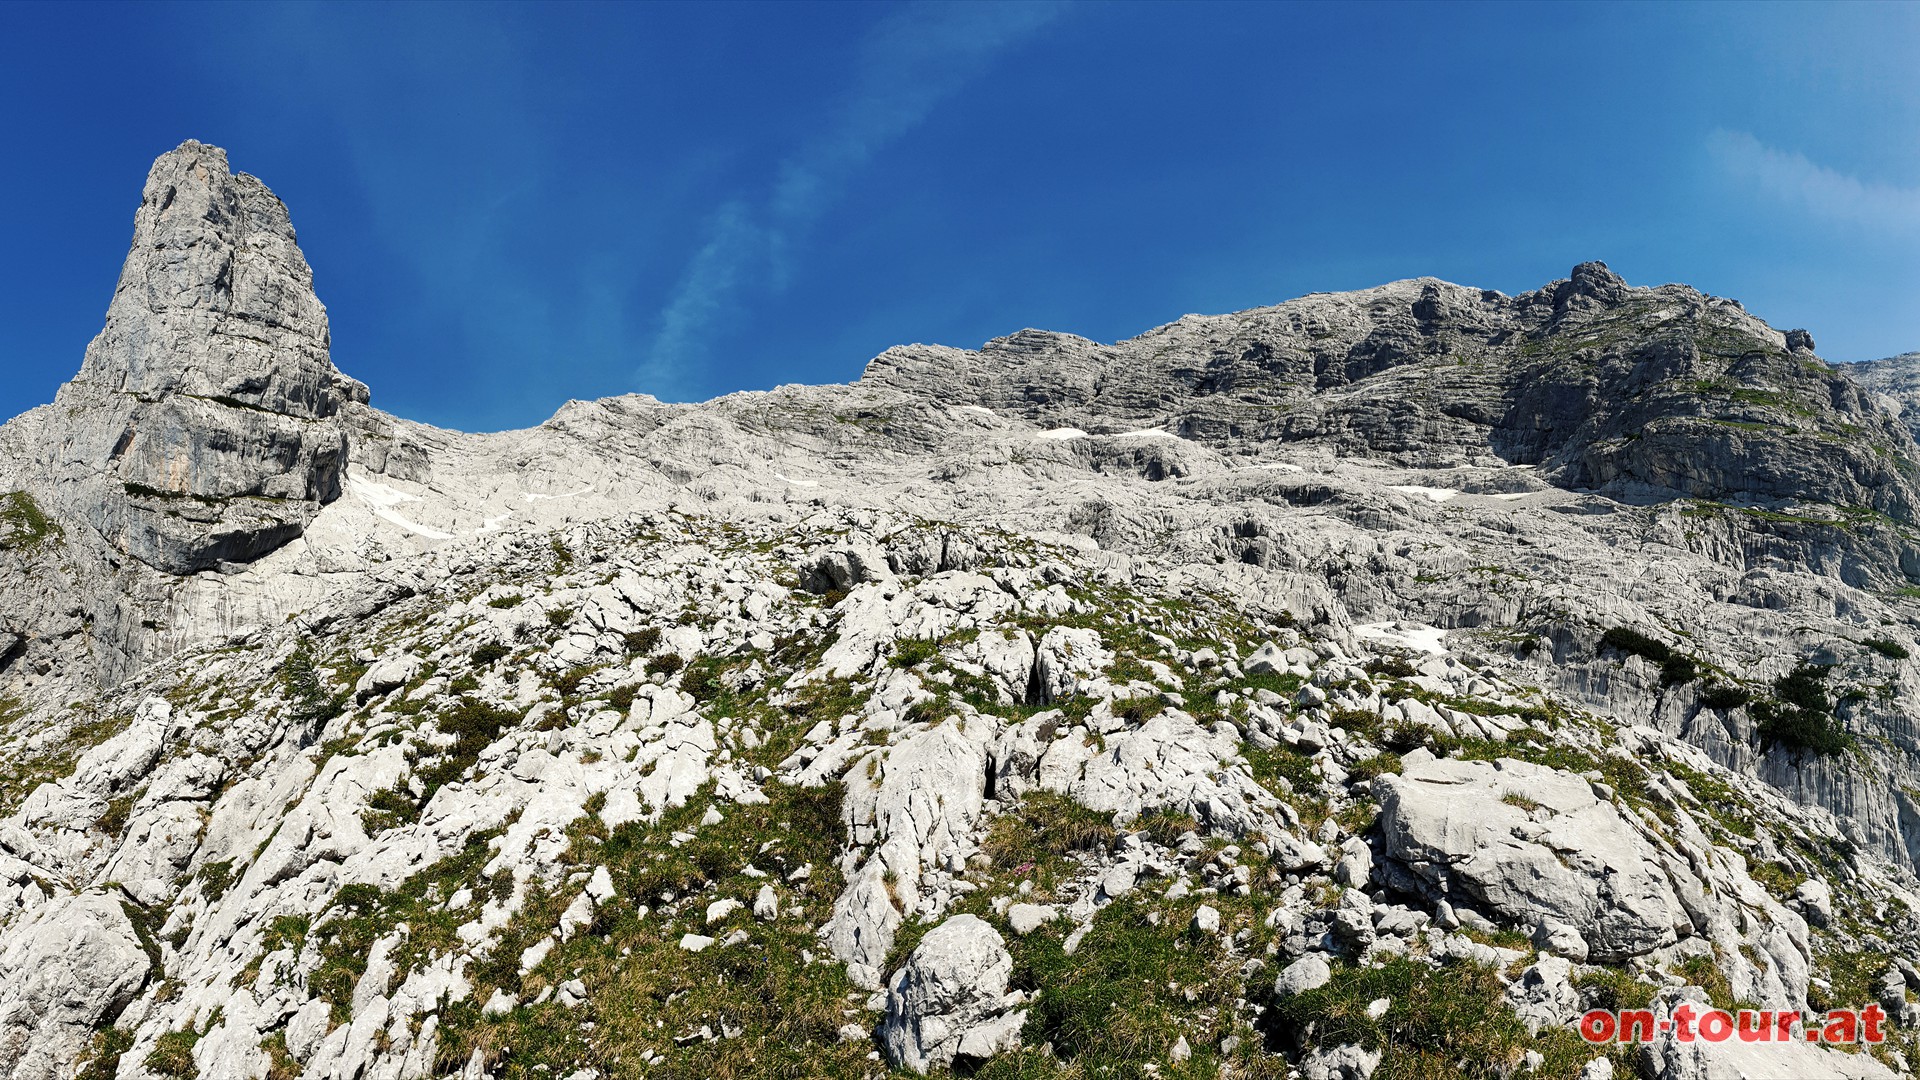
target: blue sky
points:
(509, 206)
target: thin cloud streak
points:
(910, 63)
(1792, 177)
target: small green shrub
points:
(1724, 696)
(488, 653)
(1633, 642)
(1800, 715)
(559, 617)
(1393, 667)
(569, 681)
(641, 642)
(703, 678)
(511, 600)
(300, 674)
(389, 808)
(665, 664)
(1676, 668)
(1888, 648)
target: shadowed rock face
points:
(201, 428)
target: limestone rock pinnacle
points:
(201, 428)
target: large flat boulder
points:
(1533, 847)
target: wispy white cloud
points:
(1792, 177)
(909, 63)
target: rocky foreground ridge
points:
(1358, 687)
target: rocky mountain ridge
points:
(1387, 675)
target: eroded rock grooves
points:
(1365, 685)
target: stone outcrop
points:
(203, 425)
(1898, 379)
(1639, 392)
(66, 969)
(950, 998)
(1534, 847)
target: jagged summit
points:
(1644, 393)
(200, 429)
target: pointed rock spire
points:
(202, 426)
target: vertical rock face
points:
(202, 427)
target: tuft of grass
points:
(23, 525)
(1702, 972)
(665, 664)
(216, 878)
(103, 1054)
(1613, 989)
(1514, 798)
(387, 809)
(511, 600)
(1046, 826)
(909, 652)
(641, 642)
(1449, 1021)
(1377, 765)
(172, 1056)
(780, 1015)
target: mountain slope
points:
(1051, 709)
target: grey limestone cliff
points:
(202, 427)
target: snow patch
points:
(981, 409)
(377, 494)
(1407, 635)
(1438, 495)
(1061, 433)
(1511, 496)
(1283, 466)
(1147, 433)
(412, 526)
(796, 483)
(531, 497)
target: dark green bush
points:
(641, 642)
(1888, 648)
(1394, 667)
(1724, 696)
(488, 653)
(1675, 667)
(1800, 716)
